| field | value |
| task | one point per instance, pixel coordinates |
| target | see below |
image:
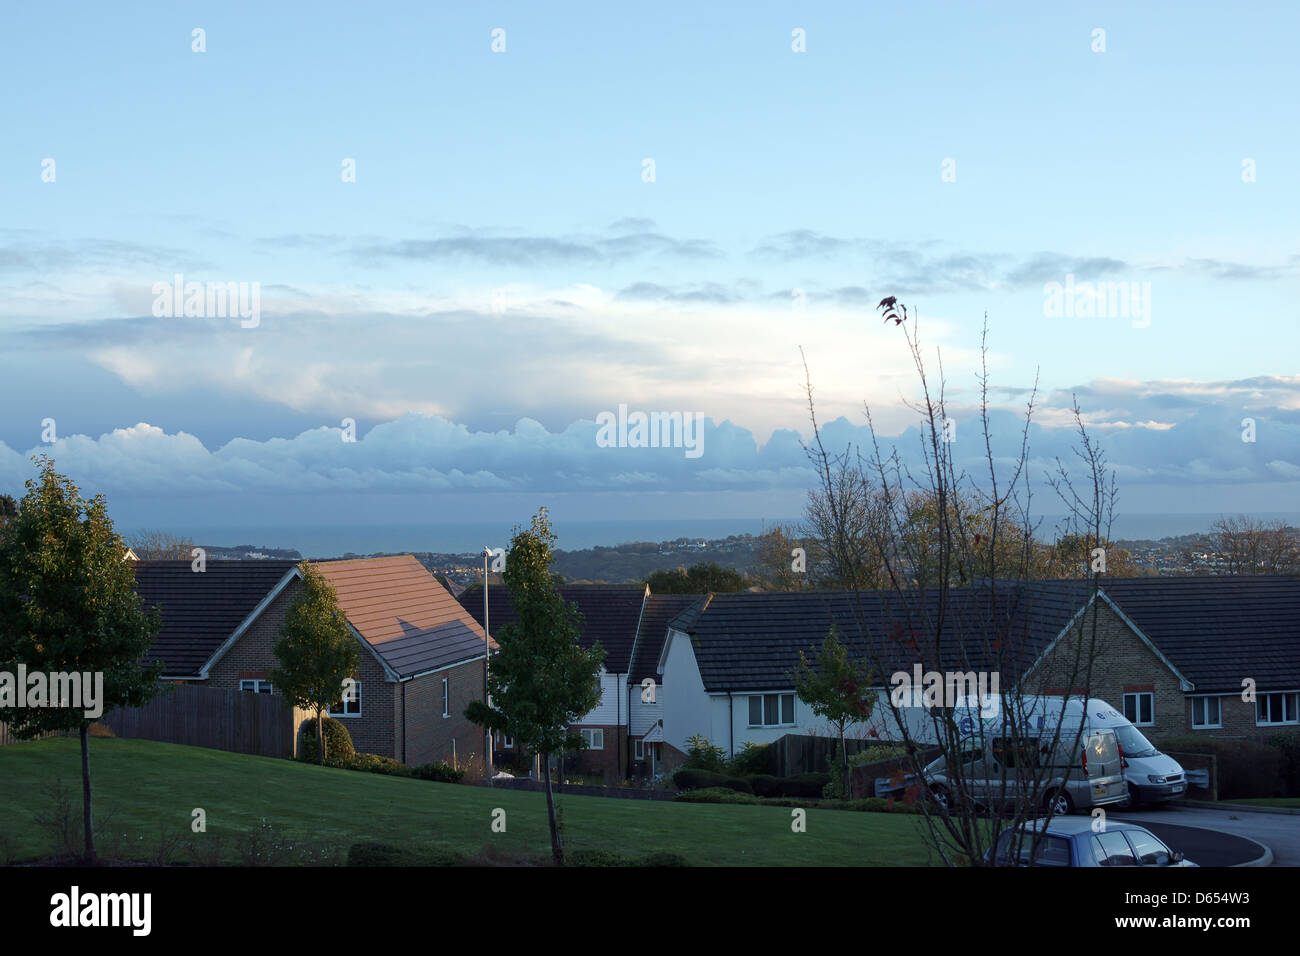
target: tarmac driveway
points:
(1215, 841)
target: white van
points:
(1152, 777)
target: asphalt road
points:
(1215, 841)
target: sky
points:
(473, 229)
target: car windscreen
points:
(1134, 742)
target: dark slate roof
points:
(200, 611)
(660, 609)
(611, 613)
(1219, 630)
(404, 613)
(751, 641)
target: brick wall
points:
(1121, 662)
(604, 762)
(429, 735)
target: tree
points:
(68, 605)
(541, 681)
(702, 578)
(838, 689)
(160, 546)
(1248, 546)
(8, 509)
(316, 650)
(1074, 556)
(956, 554)
(778, 564)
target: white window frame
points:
(345, 704)
(1294, 709)
(589, 737)
(257, 683)
(446, 699)
(1136, 720)
(780, 698)
(1218, 701)
(638, 749)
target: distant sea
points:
(333, 540)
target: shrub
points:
(688, 779)
(764, 784)
(100, 730)
(1288, 745)
(752, 759)
(374, 763)
(715, 795)
(1246, 768)
(338, 742)
(610, 858)
(441, 772)
(804, 785)
(876, 752)
(369, 853)
(702, 755)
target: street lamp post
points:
(487, 756)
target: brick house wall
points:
(1122, 663)
(429, 736)
(1238, 719)
(604, 762)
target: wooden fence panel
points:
(233, 720)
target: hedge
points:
(1288, 745)
(610, 858)
(687, 779)
(1246, 768)
(868, 805)
(441, 772)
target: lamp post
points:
(487, 754)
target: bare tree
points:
(1248, 546)
(150, 545)
(957, 557)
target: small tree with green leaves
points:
(68, 604)
(316, 650)
(838, 689)
(541, 681)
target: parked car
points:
(1070, 841)
(1047, 770)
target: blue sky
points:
(500, 271)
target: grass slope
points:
(150, 786)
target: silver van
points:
(1000, 768)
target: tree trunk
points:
(85, 796)
(556, 850)
(320, 738)
(847, 785)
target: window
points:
(350, 707)
(638, 750)
(446, 709)
(255, 686)
(1149, 850)
(771, 710)
(1206, 712)
(1111, 849)
(1052, 850)
(1138, 707)
(1277, 709)
(594, 739)
(507, 742)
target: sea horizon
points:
(330, 541)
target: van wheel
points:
(1059, 803)
(940, 795)
(1130, 800)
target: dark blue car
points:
(1071, 841)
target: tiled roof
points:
(660, 609)
(410, 619)
(201, 610)
(610, 614)
(752, 641)
(1219, 630)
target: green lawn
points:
(153, 786)
(1291, 803)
